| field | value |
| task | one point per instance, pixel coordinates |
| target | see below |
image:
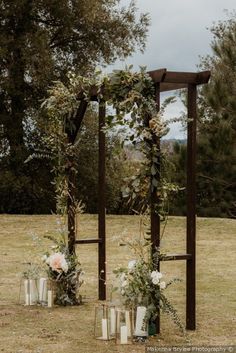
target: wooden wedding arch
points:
(163, 81)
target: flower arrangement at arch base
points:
(141, 284)
(64, 272)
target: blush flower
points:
(57, 262)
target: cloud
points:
(178, 35)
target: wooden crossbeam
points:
(88, 241)
(157, 75)
(171, 80)
(173, 257)
(164, 86)
(196, 78)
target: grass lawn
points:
(70, 329)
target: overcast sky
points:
(178, 35)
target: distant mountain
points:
(168, 144)
(134, 153)
(180, 141)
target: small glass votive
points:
(124, 326)
(105, 322)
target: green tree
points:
(216, 135)
(177, 172)
(40, 41)
(117, 167)
(217, 128)
(120, 164)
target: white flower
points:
(162, 285)
(124, 284)
(155, 280)
(44, 258)
(123, 277)
(131, 265)
(156, 276)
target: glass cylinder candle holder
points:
(105, 322)
(124, 326)
(140, 323)
(28, 291)
(43, 291)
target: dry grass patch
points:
(70, 329)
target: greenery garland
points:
(132, 95)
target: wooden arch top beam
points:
(168, 80)
(172, 80)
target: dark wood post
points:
(71, 175)
(102, 206)
(71, 209)
(155, 219)
(191, 209)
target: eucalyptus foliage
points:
(132, 95)
(141, 284)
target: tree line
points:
(216, 135)
(40, 42)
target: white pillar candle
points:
(141, 312)
(113, 321)
(27, 292)
(43, 290)
(118, 321)
(50, 299)
(123, 335)
(127, 322)
(104, 329)
(33, 292)
(27, 300)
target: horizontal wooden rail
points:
(88, 241)
(171, 257)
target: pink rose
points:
(58, 262)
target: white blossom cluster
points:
(156, 276)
